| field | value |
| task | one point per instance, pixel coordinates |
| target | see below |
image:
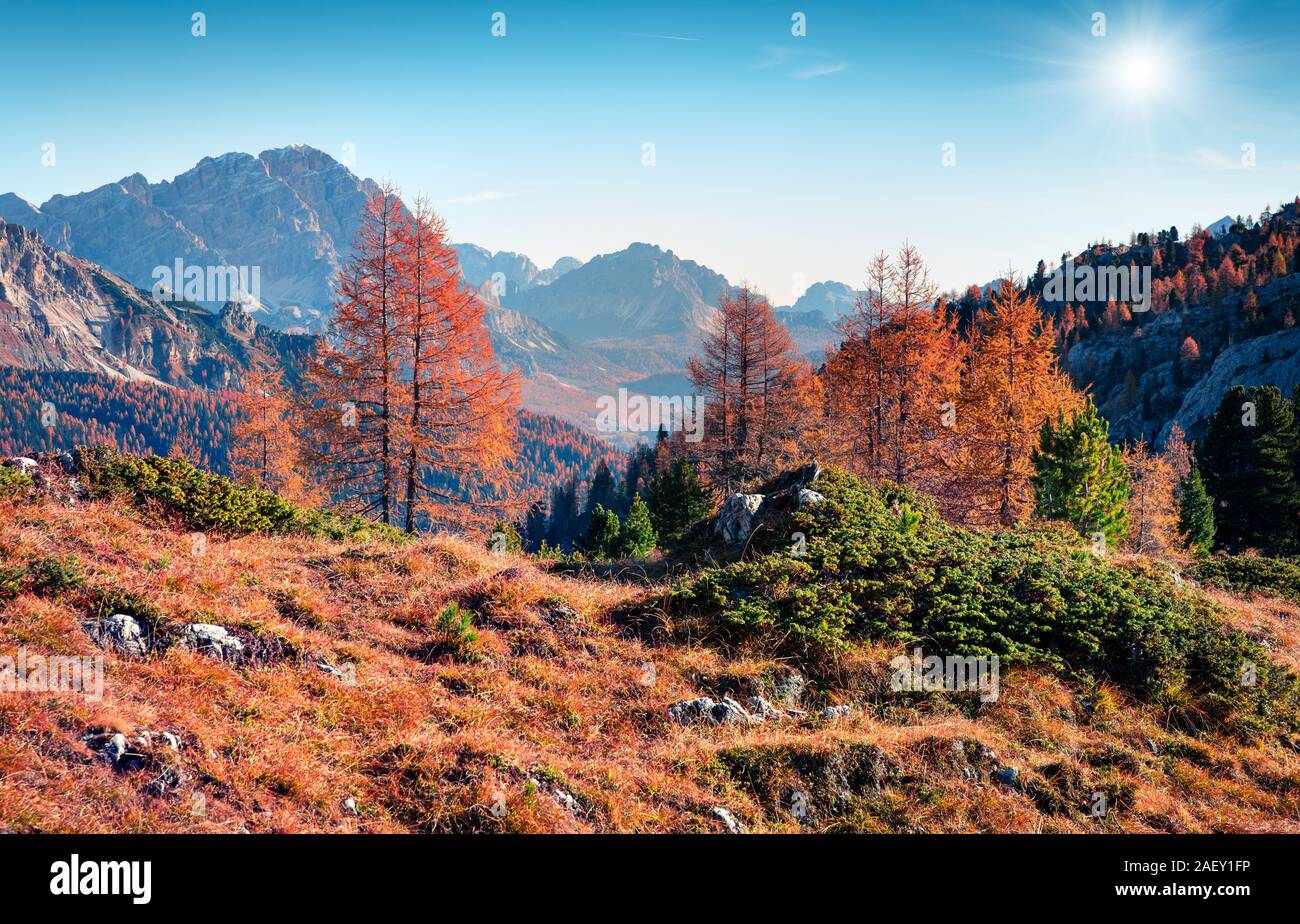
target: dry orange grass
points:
(551, 721)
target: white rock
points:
(807, 497)
(705, 711)
(115, 749)
(213, 640)
(736, 519)
(729, 821)
(120, 633)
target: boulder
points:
(762, 710)
(794, 480)
(831, 713)
(730, 823)
(789, 687)
(22, 463)
(217, 641)
(807, 497)
(736, 519)
(705, 711)
(1007, 776)
(115, 749)
(567, 802)
(120, 633)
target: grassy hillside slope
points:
(357, 705)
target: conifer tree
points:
(637, 537)
(603, 533)
(1152, 506)
(1196, 513)
(1248, 461)
(748, 373)
(897, 367)
(353, 377)
(1079, 477)
(459, 406)
(265, 447)
(677, 499)
(1012, 386)
(411, 416)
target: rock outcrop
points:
(1273, 359)
(61, 313)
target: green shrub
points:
(455, 630)
(505, 539)
(880, 564)
(637, 537)
(12, 580)
(46, 577)
(14, 482)
(204, 501)
(53, 577)
(1241, 574)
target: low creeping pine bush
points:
(205, 501)
(881, 564)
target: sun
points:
(1140, 73)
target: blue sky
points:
(777, 158)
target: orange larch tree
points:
(1152, 507)
(354, 377)
(265, 442)
(755, 391)
(893, 377)
(1012, 385)
(460, 407)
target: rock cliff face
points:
(1141, 382)
(61, 313)
(1273, 359)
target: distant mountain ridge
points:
(481, 267)
(61, 313)
(642, 290)
(292, 212)
(829, 298)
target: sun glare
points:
(1140, 73)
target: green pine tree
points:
(677, 499)
(1079, 477)
(603, 532)
(1196, 513)
(1248, 459)
(638, 537)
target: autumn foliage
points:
(406, 386)
(911, 400)
(265, 449)
(758, 393)
(1152, 500)
(896, 371)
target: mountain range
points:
(62, 313)
(576, 330)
